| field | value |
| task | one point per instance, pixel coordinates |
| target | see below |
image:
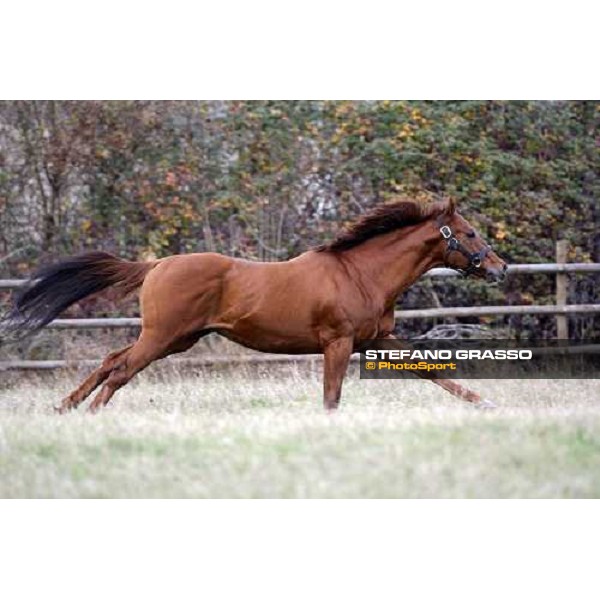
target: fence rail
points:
(481, 311)
(518, 269)
(561, 270)
(425, 313)
(254, 359)
(421, 313)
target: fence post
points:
(562, 325)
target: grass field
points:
(253, 435)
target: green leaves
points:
(269, 179)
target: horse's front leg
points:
(337, 356)
(454, 388)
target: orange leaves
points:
(344, 109)
(406, 131)
(170, 179)
(500, 232)
(417, 117)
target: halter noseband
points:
(453, 245)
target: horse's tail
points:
(54, 288)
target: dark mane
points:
(382, 219)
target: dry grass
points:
(258, 435)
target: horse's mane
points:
(384, 219)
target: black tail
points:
(54, 288)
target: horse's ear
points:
(450, 206)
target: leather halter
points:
(453, 245)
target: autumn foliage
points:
(267, 180)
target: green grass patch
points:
(268, 437)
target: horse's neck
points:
(396, 260)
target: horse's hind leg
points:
(145, 351)
(77, 396)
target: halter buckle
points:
(446, 232)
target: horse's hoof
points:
(485, 404)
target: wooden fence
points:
(561, 309)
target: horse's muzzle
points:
(496, 274)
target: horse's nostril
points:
(496, 275)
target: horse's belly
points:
(265, 341)
(267, 333)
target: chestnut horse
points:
(329, 300)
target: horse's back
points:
(267, 306)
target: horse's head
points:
(464, 250)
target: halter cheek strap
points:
(453, 245)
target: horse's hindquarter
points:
(182, 293)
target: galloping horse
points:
(329, 300)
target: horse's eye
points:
(471, 234)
